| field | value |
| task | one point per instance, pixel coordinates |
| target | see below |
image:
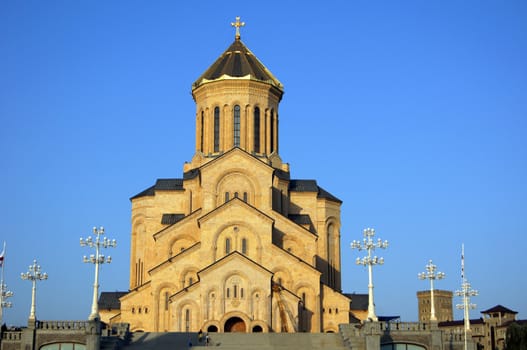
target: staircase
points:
(236, 341)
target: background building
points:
(443, 305)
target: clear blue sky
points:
(414, 113)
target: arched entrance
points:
(235, 324)
(212, 329)
(257, 329)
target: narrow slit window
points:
(244, 245)
(236, 126)
(201, 132)
(216, 129)
(257, 129)
(227, 246)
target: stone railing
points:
(63, 325)
(12, 335)
(404, 326)
(453, 337)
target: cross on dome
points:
(237, 25)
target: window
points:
(227, 246)
(236, 126)
(244, 245)
(166, 301)
(226, 196)
(64, 346)
(235, 194)
(216, 129)
(202, 131)
(271, 141)
(187, 319)
(245, 197)
(228, 292)
(257, 130)
(190, 281)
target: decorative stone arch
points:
(293, 246)
(180, 317)
(227, 319)
(161, 306)
(244, 283)
(218, 246)
(281, 273)
(238, 179)
(259, 327)
(208, 326)
(186, 272)
(137, 327)
(331, 328)
(61, 345)
(403, 345)
(137, 272)
(212, 298)
(307, 306)
(258, 304)
(332, 238)
(179, 243)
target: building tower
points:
(235, 244)
(443, 305)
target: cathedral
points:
(235, 244)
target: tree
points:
(516, 338)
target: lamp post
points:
(431, 275)
(33, 274)
(97, 259)
(465, 293)
(369, 260)
(4, 294)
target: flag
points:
(2, 256)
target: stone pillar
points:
(28, 336)
(372, 333)
(93, 335)
(436, 336)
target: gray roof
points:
(301, 219)
(170, 219)
(110, 300)
(238, 62)
(311, 186)
(162, 185)
(499, 309)
(358, 301)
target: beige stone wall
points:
(217, 266)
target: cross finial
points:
(237, 25)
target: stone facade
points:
(443, 305)
(235, 244)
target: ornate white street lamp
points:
(97, 259)
(465, 293)
(432, 275)
(369, 260)
(33, 274)
(4, 294)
